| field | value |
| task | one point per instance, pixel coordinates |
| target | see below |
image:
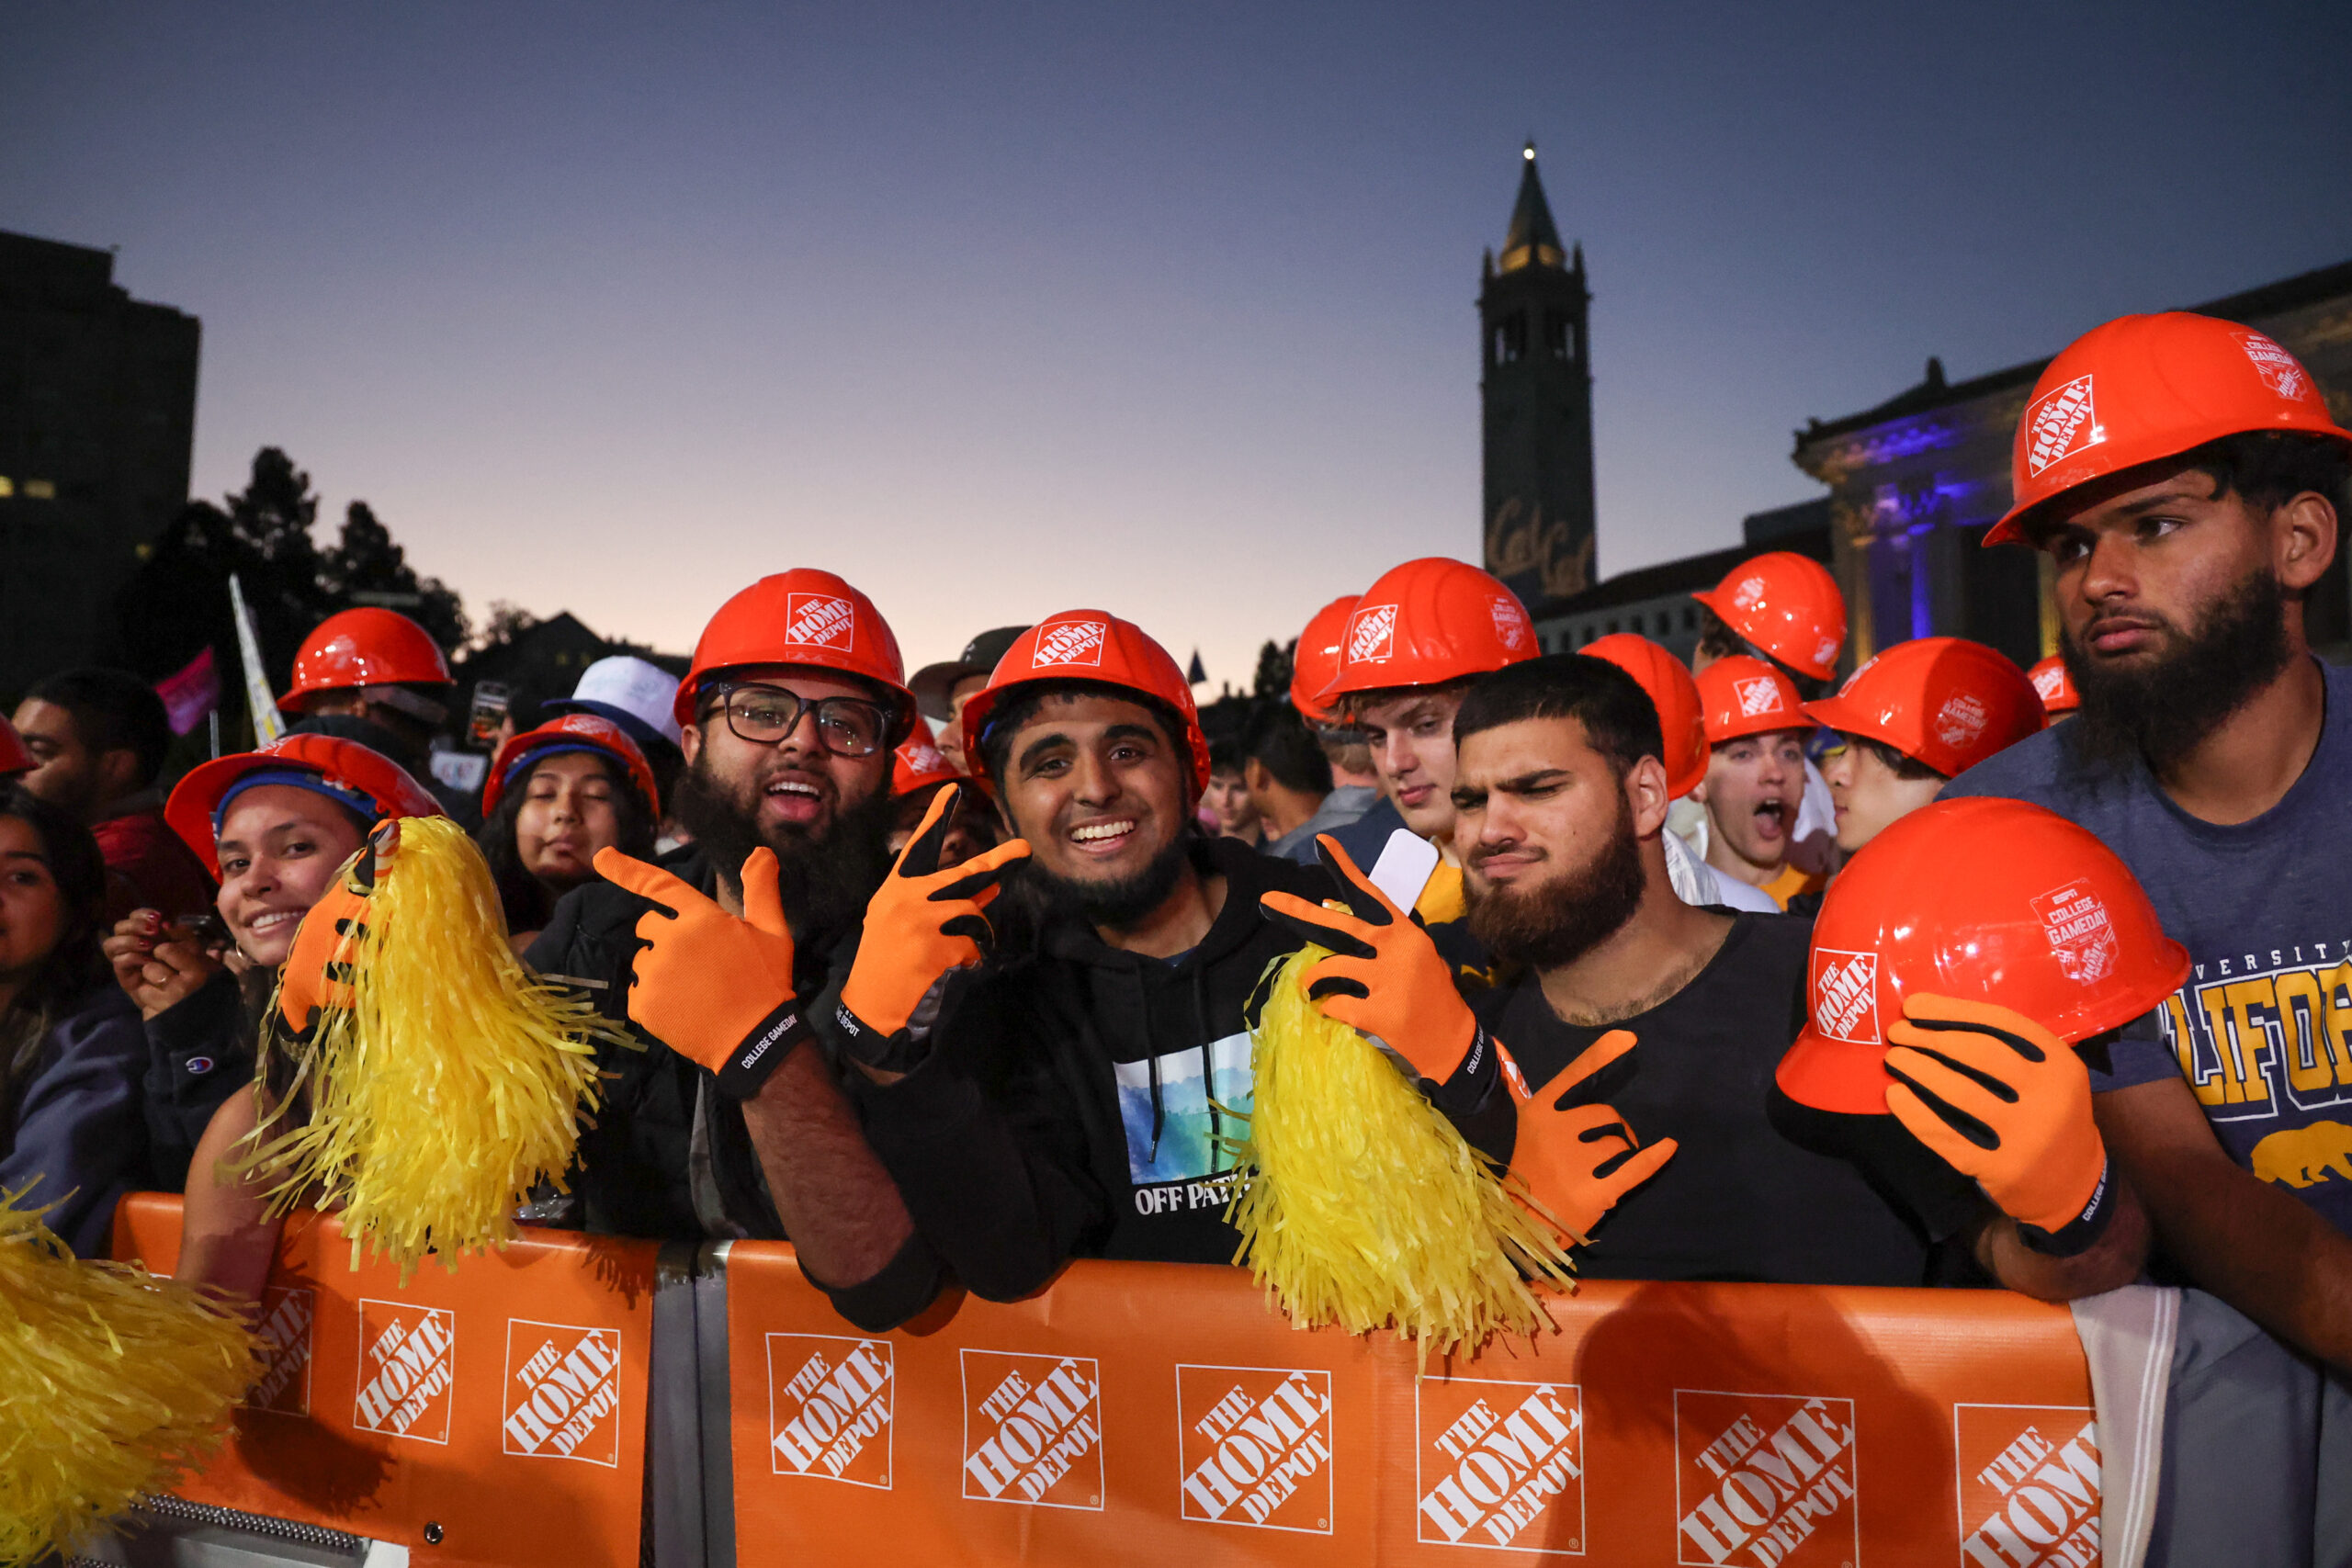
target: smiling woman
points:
(557, 795)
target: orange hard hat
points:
(1088, 645)
(363, 779)
(1943, 701)
(1316, 663)
(2144, 387)
(1786, 604)
(572, 732)
(1681, 718)
(2054, 686)
(1744, 695)
(801, 616)
(919, 764)
(1982, 900)
(14, 757)
(1427, 622)
(367, 647)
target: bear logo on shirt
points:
(2302, 1157)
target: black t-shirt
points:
(1740, 1200)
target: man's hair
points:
(2268, 468)
(1902, 764)
(1279, 740)
(1348, 708)
(1226, 758)
(1717, 641)
(1022, 703)
(1617, 715)
(113, 711)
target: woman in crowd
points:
(556, 796)
(71, 1050)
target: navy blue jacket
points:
(79, 1124)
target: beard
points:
(1561, 918)
(824, 876)
(1116, 904)
(2160, 709)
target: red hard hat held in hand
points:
(802, 616)
(367, 647)
(1681, 717)
(1427, 622)
(1740, 696)
(1943, 701)
(1981, 900)
(1787, 606)
(572, 732)
(1316, 662)
(342, 765)
(2054, 686)
(1090, 644)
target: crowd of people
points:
(1953, 974)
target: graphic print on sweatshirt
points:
(1187, 1148)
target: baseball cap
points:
(628, 691)
(932, 683)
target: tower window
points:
(1510, 338)
(1556, 333)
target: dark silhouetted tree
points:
(365, 562)
(1273, 680)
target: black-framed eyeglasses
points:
(848, 727)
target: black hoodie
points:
(1075, 1100)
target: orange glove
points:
(2004, 1101)
(922, 925)
(714, 989)
(1578, 1161)
(319, 966)
(1386, 978)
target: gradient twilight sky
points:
(1166, 310)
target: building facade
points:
(1655, 602)
(1914, 483)
(1536, 397)
(98, 422)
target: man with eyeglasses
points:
(789, 717)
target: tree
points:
(366, 562)
(1274, 663)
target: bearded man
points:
(1635, 1019)
(789, 715)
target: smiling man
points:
(1074, 1099)
(1756, 779)
(2187, 483)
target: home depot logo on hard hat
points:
(1070, 642)
(1845, 995)
(1960, 721)
(407, 1367)
(2080, 931)
(1757, 693)
(1749, 590)
(1765, 1479)
(563, 1392)
(287, 1313)
(921, 758)
(829, 1407)
(818, 620)
(1500, 1464)
(2277, 368)
(2028, 1478)
(1257, 1446)
(2049, 684)
(1510, 622)
(1032, 1429)
(1372, 634)
(2060, 424)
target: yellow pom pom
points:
(111, 1382)
(451, 1080)
(1361, 1204)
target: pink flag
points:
(190, 694)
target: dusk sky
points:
(1165, 311)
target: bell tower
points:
(1535, 393)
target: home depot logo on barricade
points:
(1372, 634)
(830, 1404)
(1070, 642)
(1502, 1464)
(2060, 424)
(1757, 693)
(408, 1357)
(563, 1392)
(1765, 1480)
(1032, 1429)
(1257, 1446)
(284, 1386)
(818, 620)
(2081, 935)
(2029, 1479)
(1845, 995)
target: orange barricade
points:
(491, 1415)
(1159, 1413)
